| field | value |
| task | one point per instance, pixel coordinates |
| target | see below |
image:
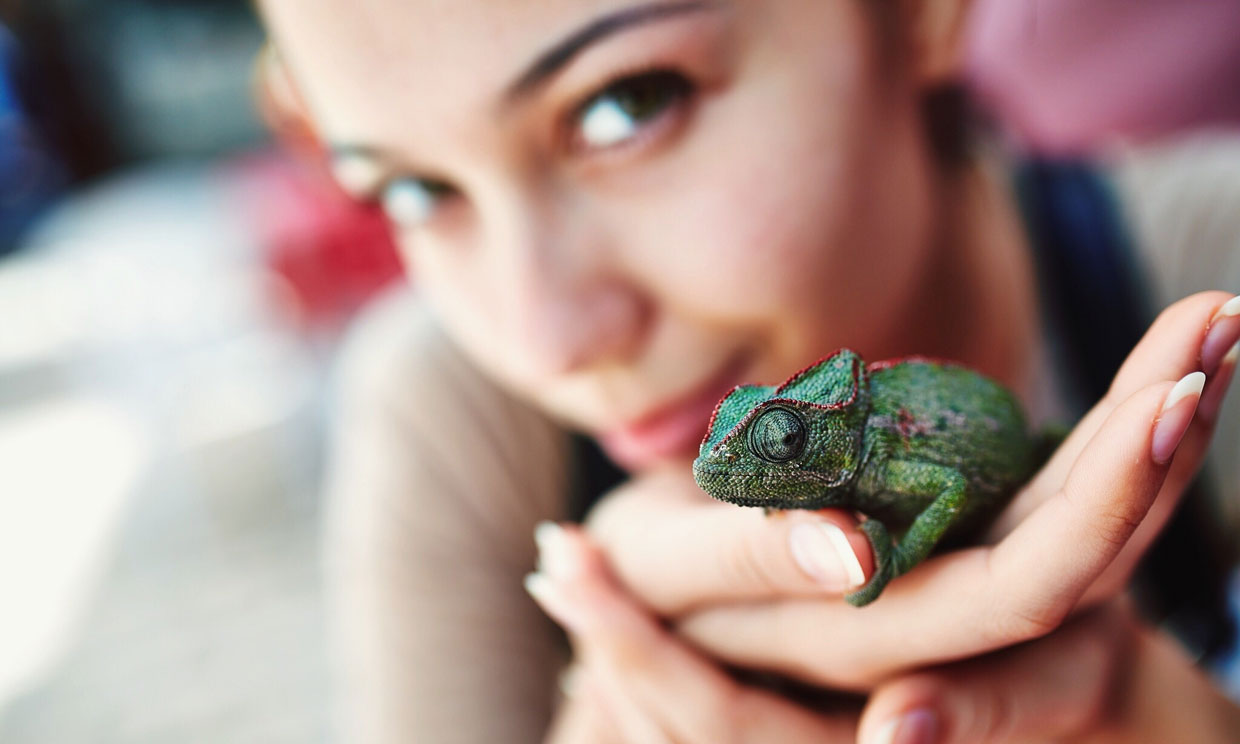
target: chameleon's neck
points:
(845, 494)
(864, 482)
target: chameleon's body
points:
(924, 447)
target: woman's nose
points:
(571, 331)
(568, 309)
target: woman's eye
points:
(621, 110)
(410, 202)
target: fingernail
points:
(1212, 400)
(541, 588)
(555, 601)
(822, 550)
(914, 727)
(1175, 416)
(556, 557)
(1223, 334)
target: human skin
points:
(787, 206)
(1070, 540)
(610, 286)
(1100, 679)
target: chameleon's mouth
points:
(715, 479)
(772, 490)
(741, 488)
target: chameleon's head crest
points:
(768, 440)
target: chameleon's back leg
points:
(916, 479)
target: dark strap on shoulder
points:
(1095, 303)
(1093, 295)
(593, 476)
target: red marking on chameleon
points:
(915, 358)
(906, 424)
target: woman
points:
(616, 211)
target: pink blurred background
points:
(1066, 76)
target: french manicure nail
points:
(822, 550)
(1212, 399)
(914, 727)
(553, 599)
(1223, 334)
(541, 588)
(1175, 416)
(555, 556)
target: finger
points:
(1221, 336)
(1205, 323)
(1184, 338)
(1188, 460)
(1055, 554)
(1053, 688)
(1184, 468)
(677, 554)
(969, 601)
(675, 692)
(631, 724)
(584, 716)
(1217, 387)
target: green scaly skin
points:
(926, 448)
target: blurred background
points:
(173, 286)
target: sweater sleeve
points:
(437, 479)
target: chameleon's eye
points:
(778, 435)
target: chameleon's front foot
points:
(949, 489)
(884, 564)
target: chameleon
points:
(925, 449)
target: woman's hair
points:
(951, 123)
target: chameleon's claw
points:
(884, 564)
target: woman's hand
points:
(762, 593)
(1100, 678)
(636, 683)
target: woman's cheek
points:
(747, 259)
(459, 300)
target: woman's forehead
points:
(362, 61)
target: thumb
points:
(1053, 687)
(680, 553)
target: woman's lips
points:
(675, 428)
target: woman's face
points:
(622, 208)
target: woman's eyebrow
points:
(547, 64)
